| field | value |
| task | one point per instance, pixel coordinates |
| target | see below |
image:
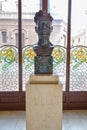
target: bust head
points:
(43, 22)
(43, 27)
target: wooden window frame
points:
(70, 99)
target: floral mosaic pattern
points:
(59, 63)
(28, 56)
(78, 69)
(9, 66)
(78, 56)
(28, 63)
(59, 55)
(8, 55)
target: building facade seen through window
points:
(4, 37)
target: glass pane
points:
(29, 8)
(58, 10)
(78, 70)
(8, 50)
(4, 37)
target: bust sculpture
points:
(43, 28)
(43, 48)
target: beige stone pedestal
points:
(43, 103)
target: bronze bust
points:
(43, 48)
(43, 28)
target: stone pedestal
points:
(43, 103)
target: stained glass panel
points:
(78, 65)
(8, 50)
(29, 8)
(59, 11)
(59, 63)
(78, 80)
(8, 68)
(28, 63)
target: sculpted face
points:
(43, 27)
(43, 22)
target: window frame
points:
(16, 100)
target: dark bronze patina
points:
(43, 28)
(43, 48)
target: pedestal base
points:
(43, 104)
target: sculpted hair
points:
(42, 15)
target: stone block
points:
(43, 105)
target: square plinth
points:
(43, 106)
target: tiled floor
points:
(16, 120)
(75, 120)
